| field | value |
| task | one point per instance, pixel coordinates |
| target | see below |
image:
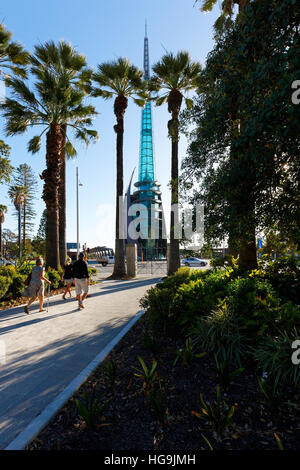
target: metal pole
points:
(77, 190)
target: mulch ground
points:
(129, 422)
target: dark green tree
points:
(249, 168)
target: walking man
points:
(82, 281)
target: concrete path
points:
(46, 351)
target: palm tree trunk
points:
(51, 177)
(174, 261)
(0, 239)
(119, 267)
(62, 202)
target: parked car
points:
(105, 260)
(194, 262)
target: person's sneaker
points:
(81, 305)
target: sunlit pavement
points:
(45, 351)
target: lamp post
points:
(77, 191)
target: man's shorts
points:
(68, 281)
(81, 286)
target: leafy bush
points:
(92, 272)
(283, 274)
(54, 277)
(157, 302)
(8, 271)
(90, 409)
(25, 267)
(179, 300)
(5, 282)
(219, 332)
(197, 298)
(274, 356)
(224, 262)
(17, 286)
(173, 282)
(219, 414)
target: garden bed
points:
(129, 423)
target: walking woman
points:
(36, 285)
(67, 277)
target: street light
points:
(77, 190)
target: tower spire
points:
(146, 55)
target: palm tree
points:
(65, 63)
(3, 210)
(174, 75)
(54, 104)
(121, 80)
(18, 195)
(12, 55)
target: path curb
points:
(36, 426)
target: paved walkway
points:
(46, 351)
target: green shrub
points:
(274, 356)
(5, 282)
(255, 303)
(25, 267)
(54, 277)
(179, 300)
(157, 302)
(8, 271)
(221, 333)
(17, 286)
(224, 262)
(173, 282)
(92, 272)
(283, 274)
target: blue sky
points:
(104, 31)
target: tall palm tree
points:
(174, 75)
(52, 104)
(66, 63)
(18, 195)
(12, 55)
(121, 80)
(3, 210)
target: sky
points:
(104, 31)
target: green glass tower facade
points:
(147, 195)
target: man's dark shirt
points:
(80, 269)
